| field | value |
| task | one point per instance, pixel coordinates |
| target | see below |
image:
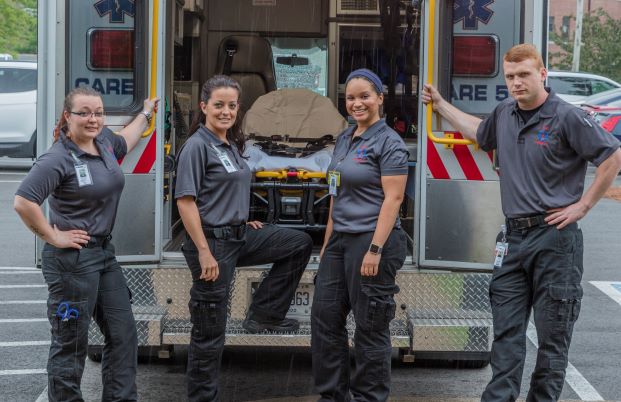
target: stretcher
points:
(291, 135)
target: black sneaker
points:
(286, 325)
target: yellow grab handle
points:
(429, 110)
(152, 85)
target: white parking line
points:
(21, 286)
(38, 272)
(17, 320)
(17, 344)
(10, 181)
(573, 378)
(43, 396)
(23, 301)
(610, 289)
(23, 372)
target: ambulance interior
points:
(291, 58)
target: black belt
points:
(97, 241)
(527, 222)
(225, 232)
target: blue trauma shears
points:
(66, 312)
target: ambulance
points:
(295, 55)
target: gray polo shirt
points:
(222, 198)
(543, 161)
(361, 163)
(89, 207)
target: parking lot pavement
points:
(24, 334)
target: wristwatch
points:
(147, 115)
(375, 249)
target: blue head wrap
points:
(369, 75)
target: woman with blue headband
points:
(363, 248)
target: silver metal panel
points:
(462, 221)
(452, 335)
(436, 311)
(134, 229)
(448, 311)
(50, 79)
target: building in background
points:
(562, 12)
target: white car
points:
(18, 109)
(574, 87)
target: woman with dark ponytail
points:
(82, 178)
(213, 196)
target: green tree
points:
(600, 52)
(18, 26)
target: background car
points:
(575, 87)
(610, 98)
(18, 109)
(608, 117)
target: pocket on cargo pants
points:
(563, 306)
(69, 338)
(377, 312)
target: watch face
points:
(374, 248)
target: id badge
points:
(334, 181)
(226, 162)
(83, 175)
(499, 253)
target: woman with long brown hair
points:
(213, 196)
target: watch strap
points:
(147, 115)
(375, 249)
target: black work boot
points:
(255, 324)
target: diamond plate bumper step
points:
(176, 333)
(472, 332)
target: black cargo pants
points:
(83, 284)
(542, 271)
(288, 249)
(339, 289)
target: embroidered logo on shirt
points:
(361, 154)
(543, 136)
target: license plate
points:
(302, 302)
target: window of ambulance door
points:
(106, 50)
(301, 63)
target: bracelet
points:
(147, 115)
